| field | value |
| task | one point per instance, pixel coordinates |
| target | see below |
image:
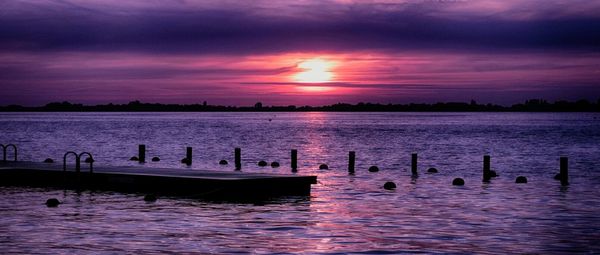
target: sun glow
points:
(314, 88)
(315, 70)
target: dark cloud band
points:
(241, 31)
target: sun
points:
(314, 70)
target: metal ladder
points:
(78, 161)
(5, 147)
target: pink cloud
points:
(241, 80)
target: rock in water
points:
(458, 182)
(373, 169)
(389, 186)
(52, 202)
(432, 170)
(557, 177)
(521, 179)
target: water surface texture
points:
(344, 213)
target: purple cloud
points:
(270, 27)
(240, 52)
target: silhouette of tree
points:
(532, 105)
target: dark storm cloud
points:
(330, 26)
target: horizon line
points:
(136, 105)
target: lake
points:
(345, 213)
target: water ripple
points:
(345, 214)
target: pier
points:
(219, 185)
(207, 184)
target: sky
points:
(239, 52)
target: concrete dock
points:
(208, 184)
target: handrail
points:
(78, 161)
(65, 160)
(5, 147)
(91, 162)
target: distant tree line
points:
(533, 105)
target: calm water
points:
(344, 213)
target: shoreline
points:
(533, 105)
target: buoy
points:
(52, 202)
(262, 163)
(89, 160)
(389, 185)
(557, 177)
(155, 159)
(48, 160)
(458, 182)
(373, 169)
(223, 162)
(274, 164)
(323, 167)
(134, 158)
(521, 179)
(150, 198)
(185, 161)
(432, 170)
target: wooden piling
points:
(294, 160)
(142, 153)
(351, 161)
(188, 155)
(238, 159)
(486, 168)
(564, 171)
(413, 164)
